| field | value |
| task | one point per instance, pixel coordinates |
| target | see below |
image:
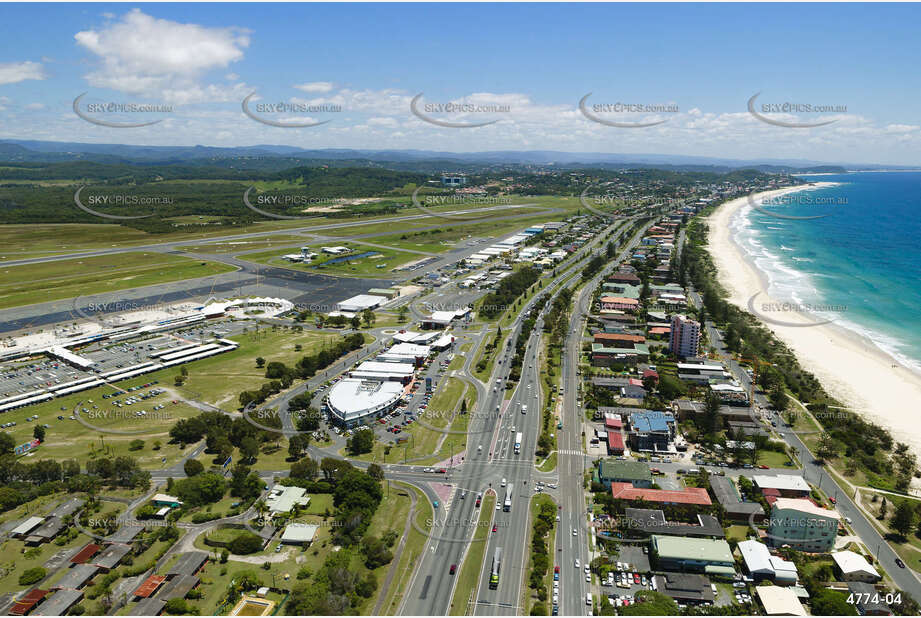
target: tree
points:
(827, 448)
(903, 518)
(710, 421)
(355, 322)
(778, 397)
(134, 445)
(368, 317)
(882, 509)
(298, 444)
(362, 441)
(260, 362)
(31, 576)
(7, 444)
(651, 603)
(376, 472)
(193, 467)
(376, 552)
(827, 602)
(249, 449)
(38, 432)
(306, 469)
(245, 543)
(403, 313)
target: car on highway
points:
(453, 569)
(575, 532)
(899, 563)
(495, 527)
(578, 564)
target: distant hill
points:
(267, 157)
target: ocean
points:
(858, 265)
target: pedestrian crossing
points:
(569, 451)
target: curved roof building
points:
(351, 400)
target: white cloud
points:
(143, 55)
(313, 87)
(14, 72)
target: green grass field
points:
(43, 282)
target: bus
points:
(507, 506)
(518, 443)
(496, 564)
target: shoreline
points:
(851, 367)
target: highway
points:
(432, 586)
(571, 460)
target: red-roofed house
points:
(625, 277)
(615, 443)
(617, 302)
(86, 553)
(618, 340)
(24, 605)
(149, 586)
(660, 331)
(613, 423)
(688, 495)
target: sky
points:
(686, 71)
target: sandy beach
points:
(850, 367)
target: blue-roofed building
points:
(651, 430)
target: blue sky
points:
(534, 61)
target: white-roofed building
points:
(383, 371)
(360, 302)
(852, 567)
(27, 526)
(299, 534)
(353, 400)
(779, 601)
(789, 485)
(441, 319)
(282, 499)
(410, 349)
(442, 342)
(762, 565)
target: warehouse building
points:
(359, 303)
(709, 556)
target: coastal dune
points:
(850, 367)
